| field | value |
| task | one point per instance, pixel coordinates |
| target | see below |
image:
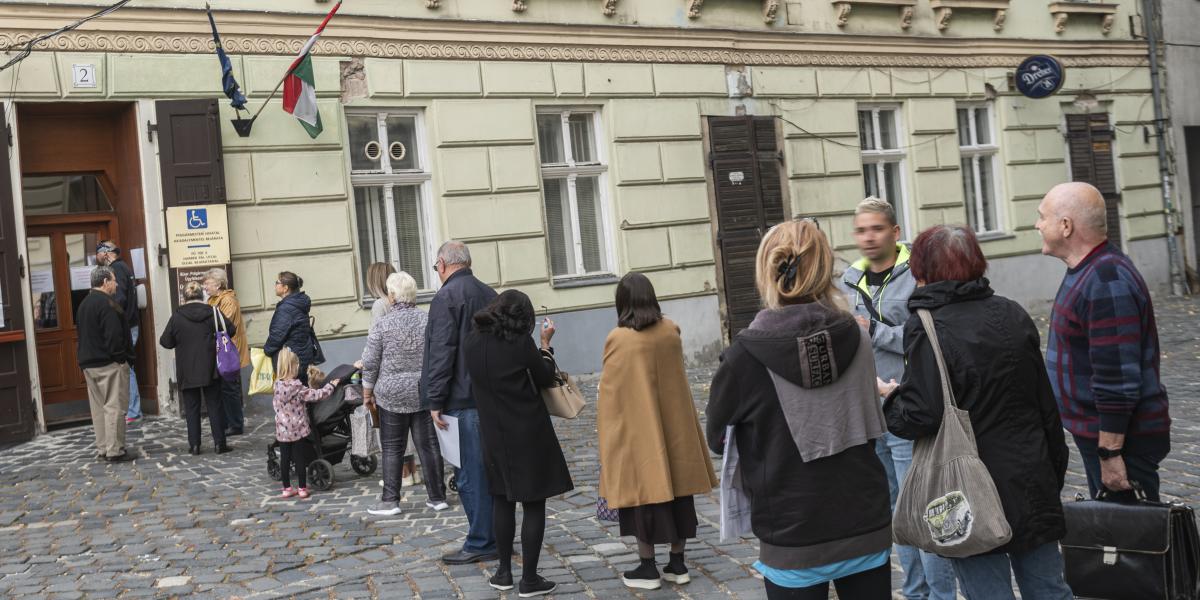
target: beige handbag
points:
(564, 398)
(948, 504)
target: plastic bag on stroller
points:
(364, 436)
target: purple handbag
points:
(229, 361)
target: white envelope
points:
(735, 504)
(448, 440)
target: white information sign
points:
(138, 257)
(41, 282)
(81, 278)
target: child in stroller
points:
(329, 435)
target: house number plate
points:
(84, 76)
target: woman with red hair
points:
(994, 360)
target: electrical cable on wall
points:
(27, 46)
(836, 141)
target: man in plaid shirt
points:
(1103, 354)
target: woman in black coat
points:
(521, 453)
(994, 359)
(290, 326)
(191, 332)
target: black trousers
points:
(875, 584)
(394, 428)
(231, 399)
(533, 531)
(210, 395)
(1141, 467)
(294, 453)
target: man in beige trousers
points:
(105, 353)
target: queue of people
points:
(822, 397)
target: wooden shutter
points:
(18, 415)
(193, 172)
(748, 185)
(1090, 140)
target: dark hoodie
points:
(799, 388)
(190, 332)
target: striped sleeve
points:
(1114, 330)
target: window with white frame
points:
(977, 146)
(573, 188)
(391, 192)
(883, 158)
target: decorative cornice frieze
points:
(235, 45)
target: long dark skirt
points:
(667, 523)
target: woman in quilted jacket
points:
(289, 325)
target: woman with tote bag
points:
(977, 400)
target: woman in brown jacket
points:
(216, 286)
(652, 449)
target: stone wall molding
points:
(185, 32)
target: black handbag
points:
(1139, 550)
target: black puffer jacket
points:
(290, 328)
(994, 357)
(191, 333)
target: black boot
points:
(675, 571)
(645, 577)
(502, 580)
(195, 450)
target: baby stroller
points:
(329, 438)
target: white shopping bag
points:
(735, 504)
(364, 436)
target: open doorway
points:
(80, 185)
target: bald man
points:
(1103, 354)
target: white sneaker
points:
(385, 509)
(437, 506)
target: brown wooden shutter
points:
(190, 160)
(745, 162)
(18, 415)
(1090, 140)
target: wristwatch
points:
(1107, 453)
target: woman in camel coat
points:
(652, 449)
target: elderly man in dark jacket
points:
(109, 255)
(446, 387)
(105, 352)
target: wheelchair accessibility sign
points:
(197, 236)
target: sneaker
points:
(438, 506)
(302, 493)
(287, 492)
(538, 587)
(129, 420)
(676, 572)
(502, 581)
(645, 577)
(385, 509)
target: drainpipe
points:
(1150, 22)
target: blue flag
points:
(228, 83)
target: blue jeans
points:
(926, 576)
(1142, 468)
(1039, 575)
(135, 401)
(472, 483)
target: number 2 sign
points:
(84, 76)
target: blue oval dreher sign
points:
(1040, 76)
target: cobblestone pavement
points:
(174, 525)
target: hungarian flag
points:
(299, 85)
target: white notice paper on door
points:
(138, 257)
(81, 278)
(42, 282)
(448, 440)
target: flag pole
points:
(242, 126)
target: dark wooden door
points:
(745, 159)
(1090, 139)
(18, 414)
(1191, 141)
(61, 253)
(189, 157)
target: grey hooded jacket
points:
(890, 302)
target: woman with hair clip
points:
(289, 324)
(521, 453)
(798, 387)
(651, 445)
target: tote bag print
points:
(262, 381)
(949, 518)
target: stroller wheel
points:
(453, 484)
(363, 465)
(273, 469)
(320, 474)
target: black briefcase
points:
(1131, 551)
